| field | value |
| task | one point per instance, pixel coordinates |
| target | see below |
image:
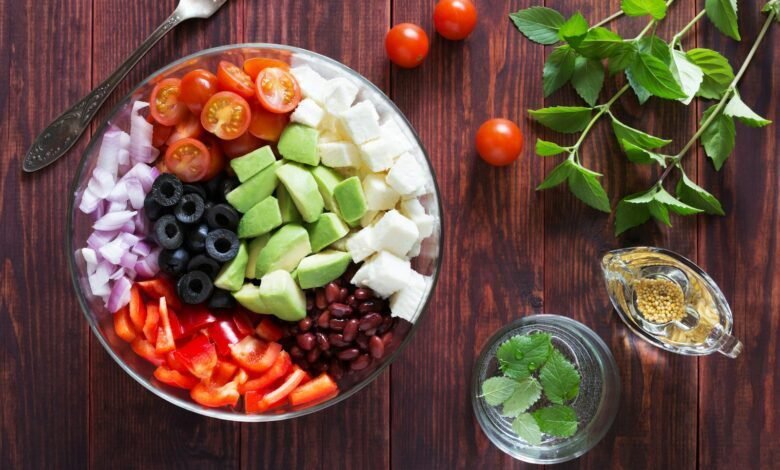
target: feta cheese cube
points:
(395, 137)
(328, 136)
(412, 207)
(361, 122)
(308, 113)
(395, 233)
(385, 274)
(379, 154)
(406, 176)
(416, 249)
(361, 244)
(415, 211)
(340, 93)
(338, 154)
(379, 195)
(311, 83)
(405, 303)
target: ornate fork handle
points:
(64, 131)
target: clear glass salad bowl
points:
(80, 227)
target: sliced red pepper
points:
(145, 349)
(318, 389)
(160, 287)
(175, 378)
(223, 373)
(279, 370)
(279, 395)
(174, 363)
(199, 356)
(152, 323)
(212, 394)
(192, 319)
(137, 308)
(243, 323)
(165, 341)
(224, 334)
(249, 353)
(176, 328)
(123, 326)
(269, 330)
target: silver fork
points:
(64, 131)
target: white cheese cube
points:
(368, 218)
(339, 154)
(361, 244)
(395, 137)
(379, 154)
(404, 303)
(385, 274)
(361, 122)
(395, 233)
(379, 195)
(340, 93)
(406, 176)
(308, 113)
(413, 209)
(416, 249)
(328, 136)
(311, 83)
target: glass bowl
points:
(79, 227)
(596, 404)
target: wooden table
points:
(510, 252)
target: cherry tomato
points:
(196, 88)
(166, 107)
(243, 145)
(160, 134)
(189, 127)
(254, 65)
(406, 45)
(455, 19)
(226, 115)
(217, 159)
(267, 125)
(499, 141)
(232, 78)
(188, 159)
(278, 90)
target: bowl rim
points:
(146, 382)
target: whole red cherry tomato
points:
(455, 19)
(406, 45)
(499, 141)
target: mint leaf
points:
(548, 149)
(588, 79)
(641, 92)
(636, 137)
(521, 355)
(687, 74)
(526, 427)
(558, 175)
(718, 73)
(656, 47)
(574, 29)
(659, 212)
(567, 119)
(676, 206)
(556, 420)
(496, 390)
(600, 43)
(723, 14)
(642, 156)
(621, 59)
(774, 7)
(738, 109)
(560, 379)
(584, 185)
(558, 69)
(719, 138)
(539, 24)
(526, 393)
(654, 8)
(696, 196)
(654, 75)
(630, 214)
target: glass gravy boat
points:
(707, 322)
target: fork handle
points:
(63, 132)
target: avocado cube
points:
(252, 163)
(319, 269)
(284, 250)
(255, 189)
(287, 207)
(260, 219)
(298, 143)
(326, 230)
(255, 246)
(249, 297)
(350, 199)
(280, 294)
(327, 180)
(303, 189)
(231, 276)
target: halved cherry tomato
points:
(123, 325)
(239, 147)
(152, 323)
(211, 395)
(319, 388)
(160, 134)
(193, 318)
(165, 342)
(199, 356)
(188, 159)
(255, 65)
(217, 163)
(280, 368)
(278, 90)
(145, 349)
(160, 287)
(164, 102)
(196, 88)
(232, 78)
(175, 378)
(137, 308)
(267, 125)
(268, 330)
(189, 127)
(255, 355)
(226, 115)
(280, 393)
(224, 334)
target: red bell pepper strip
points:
(199, 356)
(137, 308)
(173, 363)
(193, 319)
(209, 393)
(223, 373)
(254, 355)
(243, 323)
(268, 330)
(278, 370)
(320, 388)
(152, 322)
(145, 349)
(123, 326)
(175, 378)
(176, 328)
(159, 287)
(280, 393)
(224, 334)
(165, 341)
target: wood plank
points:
(354, 434)
(43, 378)
(493, 231)
(576, 237)
(738, 407)
(153, 433)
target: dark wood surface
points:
(509, 252)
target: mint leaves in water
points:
(532, 366)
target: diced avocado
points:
(282, 297)
(252, 163)
(338, 245)
(326, 230)
(285, 249)
(303, 190)
(287, 206)
(298, 143)
(321, 268)
(327, 180)
(249, 297)
(255, 189)
(260, 219)
(231, 276)
(350, 199)
(255, 246)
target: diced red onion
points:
(144, 173)
(135, 193)
(128, 227)
(120, 272)
(98, 281)
(113, 220)
(128, 260)
(90, 259)
(128, 239)
(140, 224)
(119, 192)
(89, 202)
(140, 135)
(120, 294)
(116, 206)
(99, 238)
(101, 182)
(109, 149)
(113, 250)
(141, 249)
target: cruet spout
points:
(730, 346)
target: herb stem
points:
(678, 37)
(604, 108)
(651, 24)
(608, 19)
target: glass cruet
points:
(706, 322)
